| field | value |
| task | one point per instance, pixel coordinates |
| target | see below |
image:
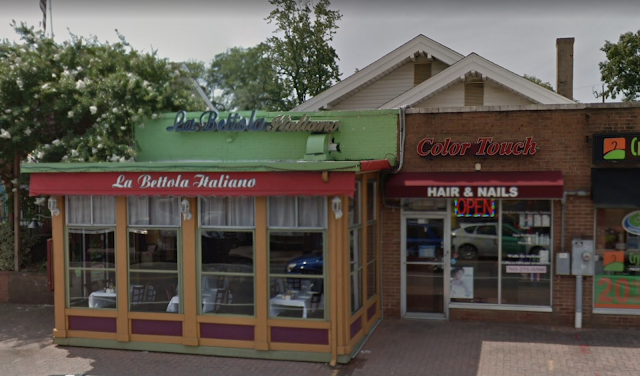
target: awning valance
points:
(193, 184)
(529, 184)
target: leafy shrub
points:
(27, 240)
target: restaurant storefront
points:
(257, 240)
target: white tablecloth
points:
(101, 299)
(208, 301)
(279, 304)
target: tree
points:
(246, 80)
(621, 70)
(302, 56)
(78, 101)
(538, 81)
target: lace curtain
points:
(154, 211)
(227, 211)
(80, 208)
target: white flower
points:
(18, 60)
(56, 57)
(154, 116)
(70, 114)
(114, 158)
(4, 134)
(36, 96)
(8, 111)
(54, 75)
(122, 159)
(94, 150)
(115, 110)
(40, 154)
(79, 69)
(93, 110)
(20, 83)
(100, 146)
(123, 128)
(45, 86)
(65, 158)
(27, 131)
(56, 142)
(74, 153)
(14, 190)
(80, 85)
(99, 138)
(14, 181)
(47, 146)
(142, 125)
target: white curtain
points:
(79, 210)
(282, 211)
(241, 211)
(311, 211)
(164, 211)
(138, 209)
(212, 212)
(104, 210)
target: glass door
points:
(425, 265)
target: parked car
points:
(424, 235)
(473, 240)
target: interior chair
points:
(170, 291)
(316, 299)
(294, 283)
(90, 287)
(221, 298)
(150, 294)
(137, 294)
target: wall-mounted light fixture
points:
(52, 204)
(336, 205)
(186, 209)
(478, 166)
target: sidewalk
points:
(397, 347)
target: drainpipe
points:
(578, 318)
(403, 133)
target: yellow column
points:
(57, 233)
(261, 265)
(365, 247)
(122, 270)
(343, 269)
(189, 277)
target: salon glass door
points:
(425, 266)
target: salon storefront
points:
(259, 239)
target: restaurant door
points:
(425, 266)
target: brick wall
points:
(563, 138)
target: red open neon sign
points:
(475, 207)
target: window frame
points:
(200, 273)
(373, 222)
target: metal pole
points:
(578, 321)
(51, 18)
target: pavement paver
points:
(397, 347)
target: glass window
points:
(154, 211)
(617, 266)
(510, 266)
(372, 259)
(91, 251)
(226, 258)
(424, 204)
(355, 216)
(526, 252)
(296, 258)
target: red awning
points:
(193, 184)
(530, 184)
(375, 165)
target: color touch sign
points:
(484, 146)
(192, 184)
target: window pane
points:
(355, 248)
(372, 277)
(154, 292)
(104, 210)
(227, 211)
(228, 295)
(297, 297)
(79, 210)
(282, 211)
(311, 212)
(153, 249)
(91, 248)
(212, 211)
(526, 242)
(356, 291)
(371, 200)
(474, 278)
(354, 207)
(617, 261)
(154, 211)
(296, 253)
(87, 288)
(372, 238)
(227, 251)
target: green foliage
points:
(302, 56)
(536, 80)
(621, 70)
(79, 101)
(27, 242)
(247, 80)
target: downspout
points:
(578, 314)
(402, 115)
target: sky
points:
(517, 35)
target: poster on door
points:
(462, 283)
